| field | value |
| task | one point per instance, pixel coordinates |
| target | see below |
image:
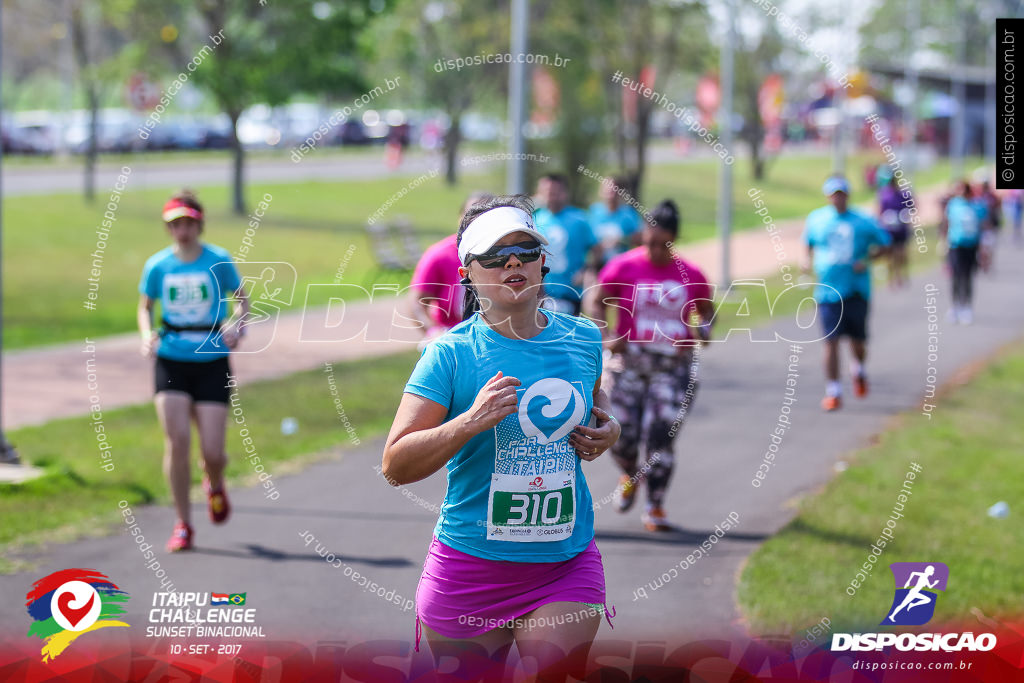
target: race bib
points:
(524, 508)
(188, 298)
(533, 488)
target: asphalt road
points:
(383, 533)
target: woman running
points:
(192, 281)
(895, 218)
(961, 227)
(652, 369)
(503, 401)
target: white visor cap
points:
(489, 227)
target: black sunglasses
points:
(498, 257)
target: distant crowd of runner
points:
(551, 335)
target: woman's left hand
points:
(591, 442)
(231, 336)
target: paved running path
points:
(383, 534)
(47, 383)
(31, 179)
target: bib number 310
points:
(524, 508)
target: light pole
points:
(956, 132)
(909, 113)
(725, 122)
(7, 453)
(516, 181)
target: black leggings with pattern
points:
(651, 394)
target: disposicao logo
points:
(913, 604)
(70, 603)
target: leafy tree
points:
(103, 53)
(670, 35)
(943, 26)
(269, 52)
(422, 38)
(757, 55)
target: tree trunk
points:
(451, 148)
(93, 99)
(643, 132)
(758, 162)
(756, 137)
(81, 52)
(619, 134)
(238, 175)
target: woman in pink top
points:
(651, 371)
(437, 295)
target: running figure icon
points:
(915, 597)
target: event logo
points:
(914, 603)
(70, 603)
(550, 409)
(228, 599)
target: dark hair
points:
(517, 201)
(474, 198)
(666, 217)
(188, 198)
(556, 178)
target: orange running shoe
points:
(217, 499)
(625, 494)
(655, 520)
(860, 386)
(831, 403)
(181, 538)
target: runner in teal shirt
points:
(616, 225)
(192, 295)
(841, 243)
(570, 239)
(192, 283)
(530, 449)
(502, 402)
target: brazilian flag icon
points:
(237, 598)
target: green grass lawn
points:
(75, 495)
(48, 240)
(969, 454)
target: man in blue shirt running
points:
(569, 241)
(840, 245)
(617, 226)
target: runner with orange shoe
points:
(650, 363)
(840, 245)
(191, 281)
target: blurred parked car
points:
(350, 132)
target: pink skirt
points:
(462, 596)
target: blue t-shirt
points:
(510, 489)
(613, 229)
(569, 239)
(191, 295)
(839, 242)
(965, 218)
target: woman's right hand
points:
(616, 344)
(149, 345)
(494, 402)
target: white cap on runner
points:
(489, 227)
